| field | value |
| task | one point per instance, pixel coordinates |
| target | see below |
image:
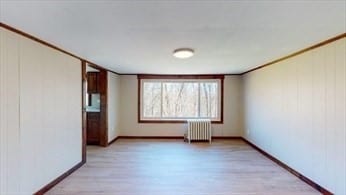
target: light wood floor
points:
(162, 167)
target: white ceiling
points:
(139, 36)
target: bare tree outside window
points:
(152, 100)
(209, 100)
(180, 99)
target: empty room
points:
(172, 97)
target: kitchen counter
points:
(88, 109)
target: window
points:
(177, 98)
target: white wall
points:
(233, 116)
(91, 69)
(295, 110)
(113, 106)
(40, 115)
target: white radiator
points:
(198, 129)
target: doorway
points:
(95, 104)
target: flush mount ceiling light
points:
(183, 53)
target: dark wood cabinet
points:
(93, 82)
(93, 128)
(96, 122)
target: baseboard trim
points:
(113, 140)
(171, 137)
(226, 137)
(59, 179)
(151, 137)
(289, 169)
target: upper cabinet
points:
(93, 82)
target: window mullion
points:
(199, 99)
(161, 99)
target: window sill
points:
(173, 121)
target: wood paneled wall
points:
(40, 118)
(296, 111)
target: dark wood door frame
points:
(103, 89)
(84, 120)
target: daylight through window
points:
(180, 99)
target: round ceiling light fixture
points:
(183, 53)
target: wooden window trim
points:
(163, 77)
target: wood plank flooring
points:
(172, 167)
